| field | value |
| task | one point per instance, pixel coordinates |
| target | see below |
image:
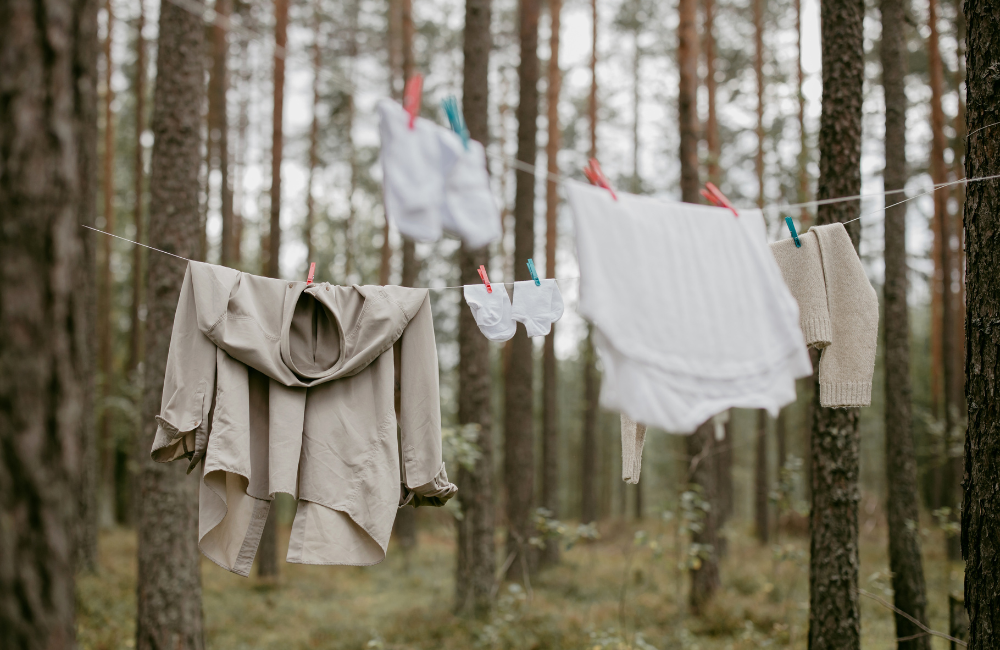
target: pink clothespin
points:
(312, 272)
(411, 96)
(717, 198)
(486, 278)
(596, 177)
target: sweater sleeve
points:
(425, 481)
(802, 269)
(188, 385)
(847, 365)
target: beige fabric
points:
(838, 308)
(633, 439)
(287, 387)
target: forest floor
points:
(621, 591)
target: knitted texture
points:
(633, 438)
(839, 311)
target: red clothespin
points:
(411, 96)
(596, 177)
(717, 198)
(486, 278)
(312, 272)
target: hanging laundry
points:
(434, 182)
(838, 311)
(690, 310)
(537, 306)
(633, 439)
(287, 387)
(492, 311)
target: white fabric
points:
(537, 306)
(690, 311)
(432, 182)
(492, 311)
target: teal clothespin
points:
(450, 105)
(795, 235)
(534, 276)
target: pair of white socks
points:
(434, 182)
(537, 306)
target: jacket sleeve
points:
(188, 385)
(425, 481)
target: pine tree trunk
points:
(711, 86)
(169, 578)
(218, 128)
(781, 438)
(106, 483)
(313, 138)
(981, 517)
(834, 617)
(476, 562)
(687, 99)
(724, 485)
(909, 591)
(519, 435)
(46, 192)
(588, 454)
(550, 423)
(758, 68)
(705, 575)
(138, 190)
(803, 158)
(760, 506)
(394, 37)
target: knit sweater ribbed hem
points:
(818, 332)
(845, 394)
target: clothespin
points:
(455, 118)
(596, 177)
(534, 275)
(312, 272)
(486, 278)
(795, 235)
(411, 96)
(717, 198)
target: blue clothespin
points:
(795, 235)
(534, 276)
(450, 105)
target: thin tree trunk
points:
(218, 128)
(267, 550)
(47, 191)
(519, 434)
(950, 479)
(705, 574)
(104, 308)
(711, 86)
(834, 616)
(313, 138)
(687, 98)
(169, 613)
(758, 68)
(760, 506)
(636, 102)
(981, 519)
(802, 171)
(550, 423)
(724, 479)
(352, 152)
(476, 562)
(395, 52)
(909, 591)
(781, 438)
(588, 453)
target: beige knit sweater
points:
(838, 311)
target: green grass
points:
(405, 602)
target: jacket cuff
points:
(818, 332)
(435, 493)
(845, 394)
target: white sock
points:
(537, 306)
(491, 310)
(470, 211)
(633, 438)
(413, 172)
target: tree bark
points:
(588, 454)
(687, 99)
(47, 190)
(550, 423)
(476, 562)
(705, 575)
(105, 355)
(834, 616)
(138, 189)
(909, 591)
(314, 137)
(218, 129)
(802, 170)
(760, 503)
(711, 86)
(519, 435)
(758, 68)
(981, 517)
(169, 611)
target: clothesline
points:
(227, 24)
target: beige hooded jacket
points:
(287, 387)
